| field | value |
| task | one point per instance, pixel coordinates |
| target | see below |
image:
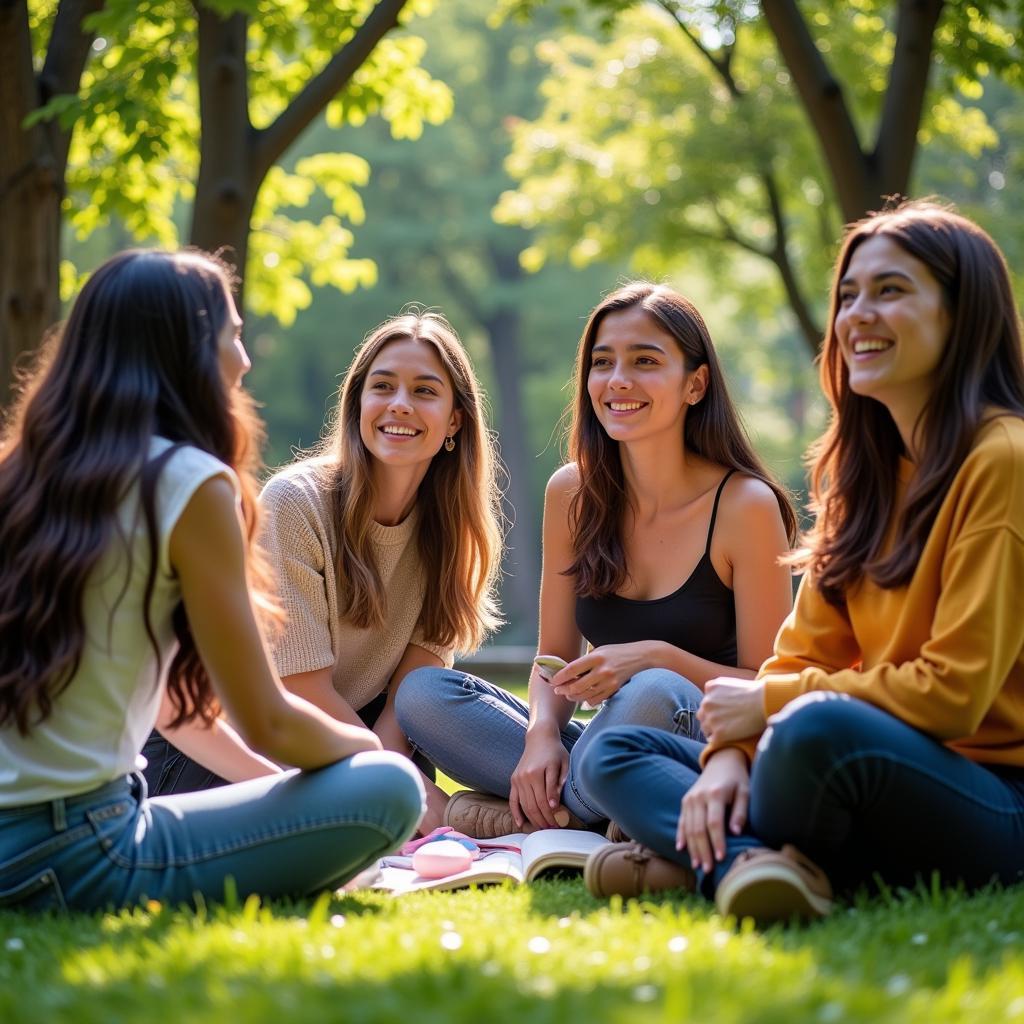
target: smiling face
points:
(892, 325)
(638, 383)
(407, 405)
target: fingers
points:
(695, 813)
(716, 828)
(515, 806)
(738, 818)
(553, 785)
(681, 828)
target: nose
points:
(619, 378)
(860, 308)
(400, 404)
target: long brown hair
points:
(712, 430)
(855, 463)
(137, 358)
(459, 536)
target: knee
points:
(659, 698)
(606, 754)
(418, 692)
(811, 730)
(393, 786)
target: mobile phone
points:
(549, 664)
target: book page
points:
(558, 848)
(491, 867)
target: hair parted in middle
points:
(459, 511)
(712, 430)
(855, 464)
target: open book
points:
(551, 850)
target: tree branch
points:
(822, 98)
(721, 65)
(273, 140)
(896, 143)
(780, 257)
(65, 60)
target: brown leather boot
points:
(483, 816)
(629, 869)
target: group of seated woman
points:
(294, 651)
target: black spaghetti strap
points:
(714, 511)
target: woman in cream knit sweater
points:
(386, 542)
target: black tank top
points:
(699, 617)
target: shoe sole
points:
(770, 894)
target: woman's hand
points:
(732, 709)
(538, 779)
(724, 783)
(601, 673)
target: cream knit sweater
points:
(300, 542)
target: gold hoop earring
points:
(449, 443)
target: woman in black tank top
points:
(662, 540)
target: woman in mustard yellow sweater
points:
(886, 733)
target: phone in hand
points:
(548, 665)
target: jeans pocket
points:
(685, 724)
(109, 825)
(41, 891)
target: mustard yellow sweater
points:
(945, 653)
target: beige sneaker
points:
(483, 816)
(774, 885)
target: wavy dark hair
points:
(137, 357)
(854, 465)
(712, 429)
(459, 531)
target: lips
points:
(625, 406)
(867, 346)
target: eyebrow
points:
(421, 376)
(639, 346)
(878, 277)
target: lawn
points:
(530, 954)
(536, 954)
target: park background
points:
(507, 163)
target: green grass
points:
(541, 954)
(536, 954)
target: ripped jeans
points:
(475, 732)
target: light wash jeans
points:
(855, 789)
(285, 835)
(475, 731)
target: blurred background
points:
(509, 166)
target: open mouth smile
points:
(630, 406)
(393, 430)
(867, 347)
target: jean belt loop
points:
(60, 816)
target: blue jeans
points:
(857, 790)
(292, 834)
(475, 731)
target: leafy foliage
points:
(135, 151)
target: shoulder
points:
(188, 465)
(746, 496)
(564, 482)
(305, 484)
(991, 479)
(749, 515)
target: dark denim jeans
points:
(285, 835)
(168, 771)
(857, 790)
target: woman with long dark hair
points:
(662, 546)
(127, 569)
(886, 734)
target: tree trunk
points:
(226, 187)
(33, 162)
(522, 561)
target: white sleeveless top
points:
(101, 720)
